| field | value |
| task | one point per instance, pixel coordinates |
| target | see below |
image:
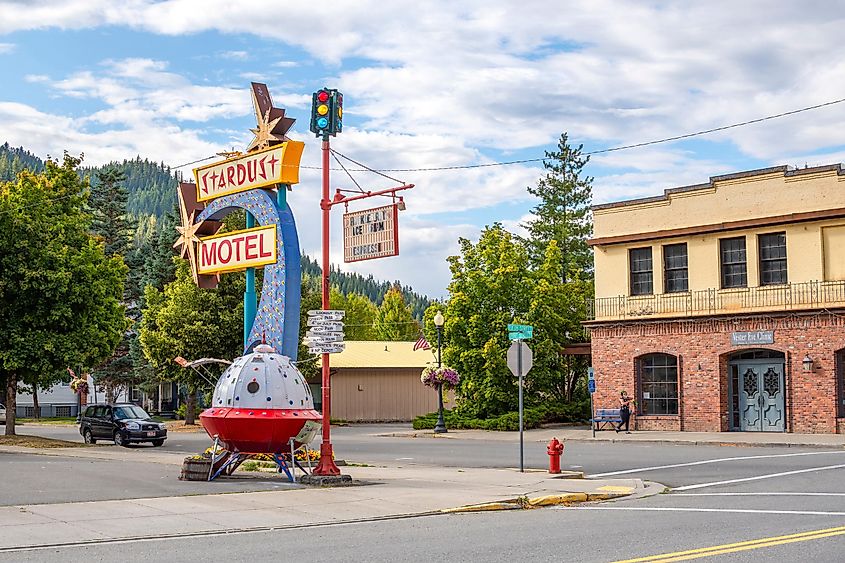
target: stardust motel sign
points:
(276, 165)
(237, 251)
(371, 233)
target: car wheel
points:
(119, 440)
(88, 437)
(158, 443)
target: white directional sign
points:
(325, 331)
(339, 313)
(325, 323)
(513, 358)
(327, 337)
(325, 327)
(333, 348)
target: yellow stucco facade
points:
(806, 205)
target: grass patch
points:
(253, 465)
(59, 420)
(37, 442)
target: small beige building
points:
(379, 381)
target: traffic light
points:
(326, 112)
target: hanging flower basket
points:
(79, 386)
(445, 376)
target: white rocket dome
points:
(262, 380)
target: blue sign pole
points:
(249, 292)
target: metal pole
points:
(326, 465)
(592, 415)
(250, 305)
(519, 371)
(440, 427)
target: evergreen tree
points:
(108, 203)
(563, 213)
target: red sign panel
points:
(371, 233)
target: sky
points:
(432, 84)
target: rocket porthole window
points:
(253, 387)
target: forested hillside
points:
(369, 287)
(13, 160)
(151, 189)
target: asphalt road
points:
(720, 496)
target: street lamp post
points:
(440, 427)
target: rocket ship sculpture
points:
(260, 402)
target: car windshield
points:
(121, 413)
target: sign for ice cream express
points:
(371, 233)
(278, 164)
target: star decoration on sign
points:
(188, 239)
(272, 125)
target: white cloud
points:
(442, 84)
(6, 48)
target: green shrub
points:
(181, 411)
(533, 417)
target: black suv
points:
(124, 423)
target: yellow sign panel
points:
(237, 251)
(275, 165)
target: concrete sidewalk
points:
(584, 434)
(383, 493)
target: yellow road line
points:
(739, 546)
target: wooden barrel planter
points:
(195, 469)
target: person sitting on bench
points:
(625, 411)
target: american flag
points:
(421, 343)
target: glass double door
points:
(760, 390)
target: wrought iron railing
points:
(793, 296)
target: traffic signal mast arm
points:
(340, 198)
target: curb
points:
(424, 434)
(525, 503)
(706, 443)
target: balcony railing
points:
(788, 297)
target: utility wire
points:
(367, 168)
(381, 171)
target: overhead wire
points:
(382, 171)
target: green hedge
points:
(575, 411)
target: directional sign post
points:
(591, 387)
(520, 361)
(325, 331)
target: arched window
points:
(658, 385)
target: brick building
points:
(721, 306)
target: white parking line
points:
(727, 510)
(708, 461)
(757, 478)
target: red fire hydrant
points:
(555, 450)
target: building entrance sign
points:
(752, 338)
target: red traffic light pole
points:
(326, 115)
(326, 466)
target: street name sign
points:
(520, 332)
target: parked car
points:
(123, 423)
(2, 413)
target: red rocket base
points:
(256, 431)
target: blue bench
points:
(603, 417)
